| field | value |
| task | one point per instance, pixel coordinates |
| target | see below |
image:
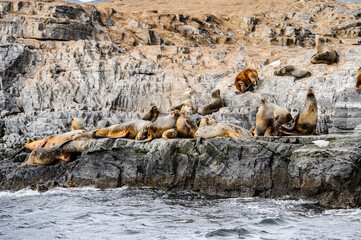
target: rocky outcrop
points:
(259, 167)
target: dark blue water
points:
(89, 213)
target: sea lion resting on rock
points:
(215, 104)
(53, 140)
(63, 152)
(306, 120)
(152, 114)
(325, 53)
(266, 124)
(156, 129)
(358, 79)
(246, 80)
(76, 124)
(187, 100)
(123, 130)
(291, 70)
(186, 125)
(223, 130)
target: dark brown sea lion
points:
(215, 104)
(246, 80)
(306, 120)
(325, 53)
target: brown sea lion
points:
(186, 100)
(291, 70)
(306, 120)
(246, 80)
(186, 125)
(123, 130)
(325, 53)
(152, 114)
(215, 104)
(156, 129)
(358, 79)
(76, 124)
(50, 141)
(281, 115)
(266, 124)
(63, 152)
(223, 130)
(170, 133)
(206, 122)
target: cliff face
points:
(105, 63)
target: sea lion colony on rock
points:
(271, 119)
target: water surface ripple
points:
(128, 213)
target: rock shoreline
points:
(269, 167)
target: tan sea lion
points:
(152, 114)
(186, 100)
(215, 104)
(186, 125)
(156, 129)
(170, 133)
(266, 124)
(223, 130)
(63, 152)
(123, 130)
(291, 70)
(306, 120)
(281, 115)
(246, 80)
(76, 124)
(358, 79)
(206, 122)
(325, 53)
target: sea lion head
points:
(187, 94)
(320, 39)
(174, 113)
(310, 93)
(186, 110)
(263, 101)
(216, 93)
(142, 134)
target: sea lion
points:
(63, 152)
(291, 70)
(170, 133)
(186, 125)
(266, 124)
(215, 104)
(246, 80)
(76, 124)
(156, 129)
(186, 100)
(123, 130)
(152, 114)
(50, 141)
(306, 120)
(358, 79)
(206, 122)
(325, 53)
(223, 130)
(281, 115)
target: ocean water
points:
(133, 213)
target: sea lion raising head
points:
(186, 100)
(246, 80)
(306, 120)
(291, 70)
(152, 114)
(215, 104)
(266, 124)
(325, 53)
(186, 125)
